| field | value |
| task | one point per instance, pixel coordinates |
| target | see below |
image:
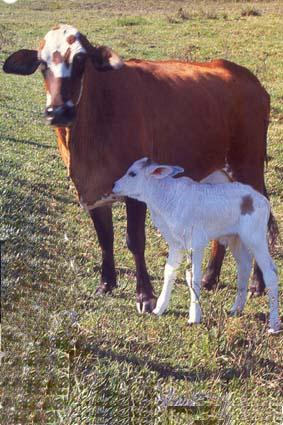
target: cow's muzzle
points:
(60, 116)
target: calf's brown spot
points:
(56, 27)
(247, 206)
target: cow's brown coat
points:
(198, 116)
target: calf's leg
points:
(244, 267)
(102, 220)
(194, 283)
(270, 276)
(247, 165)
(173, 261)
(136, 213)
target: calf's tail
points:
(273, 229)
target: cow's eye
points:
(43, 66)
(132, 174)
(79, 61)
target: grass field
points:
(71, 358)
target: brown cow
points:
(198, 115)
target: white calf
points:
(190, 214)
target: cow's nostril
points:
(62, 115)
(49, 112)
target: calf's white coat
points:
(190, 214)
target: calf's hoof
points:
(158, 311)
(275, 327)
(146, 306)
(235, 312)
(193, 323)
(194, 316)
(105, 288)
(272, 331)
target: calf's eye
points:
(132, 174)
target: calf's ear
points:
(161, 171)
(22, 62)
(176, 170)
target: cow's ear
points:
(22, 62)
(104, 59)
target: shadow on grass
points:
(26, 142)
(164, 370)
(178, 313)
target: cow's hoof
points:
(146, 306)
(255, 290)
(105, 288)
(208, 284)
(209, 280)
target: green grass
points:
(69, 357)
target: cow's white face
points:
(59, 53)
(58, 49)
(62, 55)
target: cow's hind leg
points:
(102, 220)
(211, 275)
(136, 213)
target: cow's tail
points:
(266, 122)
(273, 229)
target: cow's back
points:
(198, 112)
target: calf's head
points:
(136, 181)
(62, 56)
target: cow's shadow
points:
(26, 142)
(163, 370)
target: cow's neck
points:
(103, 141)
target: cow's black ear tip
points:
(22, 62)
(5, 67)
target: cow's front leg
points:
(102, 220)
(136, 213)
(257, 286)
(211, 275)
